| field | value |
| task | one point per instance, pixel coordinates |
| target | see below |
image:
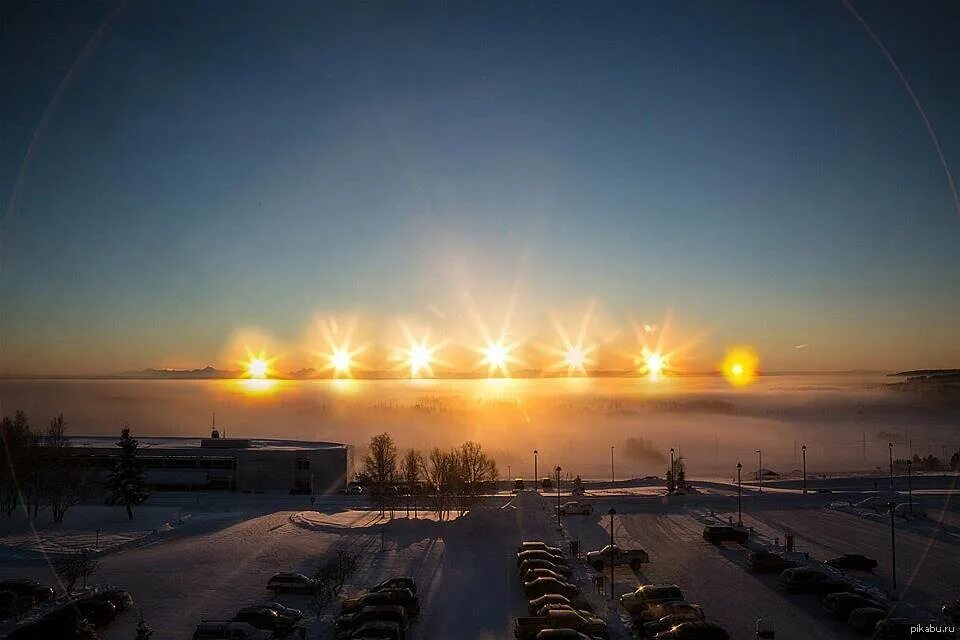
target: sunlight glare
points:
(740, 366)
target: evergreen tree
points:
(126, 483)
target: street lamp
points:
(760, 469)
(910, 484)
(612, 513)
(804, 450)
(673, 471)
(893, 544)
(739, 507)
(613, 477)
(890, 447)
(536, 475)
(558, 496)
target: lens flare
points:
(496, 356)
(257, 366)
(652, 363)
(740, 366)
(419, 356)
(575, 358)
(340, 360)
(574, 352)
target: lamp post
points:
(673, 471)
(612, 513)
(739, 507)
(910, 484)
(558, 496)
(760, 469)
(893, 545)
(890, 447)
(613, 476)
(536, 474)
(803, 449)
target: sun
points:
(574, 353)
(258, 366)
(575, 358)
(652, 363)
(740, 366)
(497, 357)
(341, 360)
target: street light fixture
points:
(673, 470)
(910, 484)
(804, 450)
(558, 496)
(739, 507)
(760, 469)
(890, 447)
(536, 473)
(612, 513)
(893, 544)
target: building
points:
(243, 465)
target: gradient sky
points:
(756, 169)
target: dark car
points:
(841, 603)
(853, 562)
(724, 533)
(540, 554)
(120, 599)
(651, 629)
(287, 582)
(536, 604)
(812, 580)
(528, 565)
(27, 588)
(768, 562)
(892, 629)
(400, 582)
(283, 610)
(864, 620)
(379, 630)
(267, 618)
(97, 610)
(402, 597)
(348, 622)
(694, 630)
(951, 612)
(543, 586)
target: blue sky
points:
(757, 169)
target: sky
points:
(181, 179)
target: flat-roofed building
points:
(247, 465)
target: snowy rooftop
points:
(147, 443)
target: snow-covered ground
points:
(466, 567)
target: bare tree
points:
(75, 567)
(439, 469)
(380, 464)
(64, 477)
(412, 471)
(475, 470)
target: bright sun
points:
(740, 366)
(575, 358)
(654, 363)
(420, 358)
(257, 368)
(340, 359)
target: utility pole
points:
(910, 484)
(558, 497)
(536, 474)
(804, 449)
(893, 545)
(673, 470)
(613, 476)
(612, 513)
(760, 469)
(739, 507)
(890, 447)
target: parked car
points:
(892, 629)
(518, 485)
(645, 595)
(60, 623)
(762, 561)
(283, 610)
(542, 586)
(614, 555)
(562, 634)
(905, 510)
(875, 503)
(527, 628)
(533, 574)
(841, 603)
(538, 545)
(121, 599)
(400, 582)
(288, 582)
(99, 611)
(24, 587)
(540, 554)
(229, 630)
(950, 612)
(812, 580)
(528, 565)
(264, 617)
(853, 561)
(694, 630)
(651, 629)
(379, 630)
(578, 491)
(575, 508)
(402, 597)
(718, 534)
(864, 620)
(670, 607)
(348, 623)
(535, 605)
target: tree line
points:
(40, 470)
(441, 481)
